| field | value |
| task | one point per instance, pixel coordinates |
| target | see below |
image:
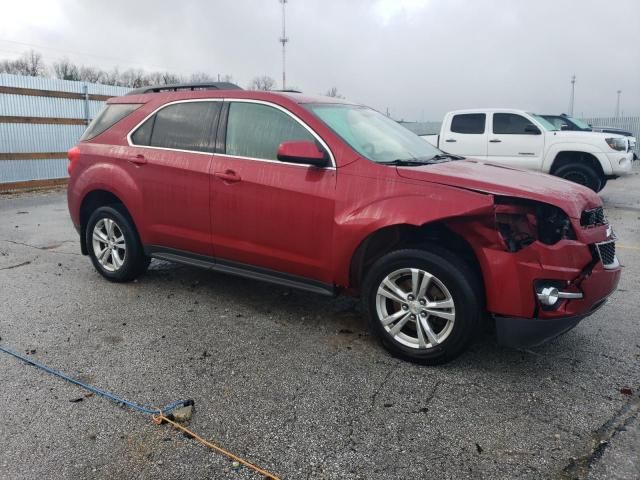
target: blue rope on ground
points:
(98, 391)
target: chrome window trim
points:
(243, 100)
(165, 105)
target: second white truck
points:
(526, 140)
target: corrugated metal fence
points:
(40, 119)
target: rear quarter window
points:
(108, 117)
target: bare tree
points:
(333, 92)
(263, 82)
(34, 64)
(29, 64)
(201, 77)
(91, 74)
(65, 70)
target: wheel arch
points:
(93, 200)
(400, 236)
(566, 157)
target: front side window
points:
(373, 135)
(468, 123)
(511, 124)
(256, 131)
(108, 116)
(181, 126)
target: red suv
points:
(329, 196)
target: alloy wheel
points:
(109, 245)
(415, 308)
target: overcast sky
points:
(419, 58)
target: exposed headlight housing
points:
(522, 222)
(618, 143)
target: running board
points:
(240, 270)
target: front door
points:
(265, 212)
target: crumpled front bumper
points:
(531, 332)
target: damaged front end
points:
(543, 270)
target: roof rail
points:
(287, 90)
(185, 86)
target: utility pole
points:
(618, 104)
(283, 41)
(573, 90)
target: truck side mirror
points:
(532, 130)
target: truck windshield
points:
(373, 135)
(545, 123)
(580, 124)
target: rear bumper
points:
(531, 332)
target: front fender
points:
(427, 204)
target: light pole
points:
(283, 41)
(573, 89)
(619, 92)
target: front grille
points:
(607, 253)
(593, 217)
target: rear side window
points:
(256, 131)
(182, 126)
(108, 116)
(468, 123)
(510, 124)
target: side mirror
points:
(564, 126)
(304, 152)
(532, 130)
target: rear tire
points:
(424, 305)
(114, 246)
(581, 174)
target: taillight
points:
(72, 155)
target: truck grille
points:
(607, 253)
(593, 217)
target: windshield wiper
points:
(406, 162)
(445, 156)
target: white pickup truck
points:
(526, 140)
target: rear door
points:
(515, 141)
(172, 150)
(264, 212)
(466, 135)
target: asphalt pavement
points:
(292, 381)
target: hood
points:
(481, 176)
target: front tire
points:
(114, 246)
(581, 174)
(424, 305)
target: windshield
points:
(545, 123)
(581, 125)
(373, 135)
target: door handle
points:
(138, 159)
(228, 176)
(495, 140)
(450, 140)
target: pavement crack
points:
(578, 467)
(17, 265)
(46, 248)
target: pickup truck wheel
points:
(422, 304)
(113, 245)
(582, 174)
